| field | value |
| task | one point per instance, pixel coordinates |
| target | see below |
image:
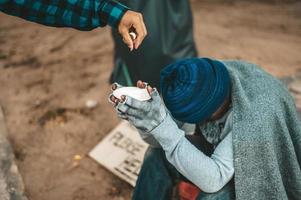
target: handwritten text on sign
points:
(122, 152)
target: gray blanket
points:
(266, 135)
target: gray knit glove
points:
(144, 115)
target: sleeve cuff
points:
(168, 133)
(111, 13)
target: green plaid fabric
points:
(78, 14)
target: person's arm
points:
(148, 138)
(210, 174)
(79, 14)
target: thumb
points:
(155, 95)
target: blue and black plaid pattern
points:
(79, 14)
(112, 12)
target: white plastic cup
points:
(134, 92)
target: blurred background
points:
(47, 75)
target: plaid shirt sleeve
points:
(78, 14)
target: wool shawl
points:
(266, 135)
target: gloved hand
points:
(114, 101)
(144, 115)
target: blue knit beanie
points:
(193, 89)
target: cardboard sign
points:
(121, 152)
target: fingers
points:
(133, 103)
(141, 84)
(120, 110)
(124, 31)
(122, 115)
(124, 111)
(132, 22)
(116, 86)
(150, 89)
(136, 104)
(115, 101)
(155, 95)
(122, 107)
(126, 104)
(112, 99)
(140, 30)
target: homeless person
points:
(247, 141)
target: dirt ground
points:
(47, 75)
